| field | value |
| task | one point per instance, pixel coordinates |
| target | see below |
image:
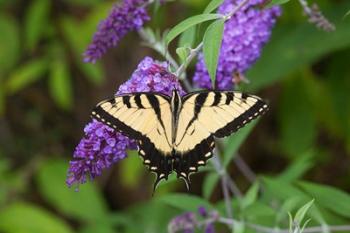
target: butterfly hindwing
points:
(188, 162)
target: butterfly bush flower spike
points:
(127, 16)
(189, 222)
(102, 146)
(245, 33)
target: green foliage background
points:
(300, 150)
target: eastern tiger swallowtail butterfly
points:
(177, 133)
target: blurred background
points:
(47, 92)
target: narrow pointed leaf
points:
(209, 184)
(189, 22)
(211, 46)
(213, 5)
(299, 216)
(60, 84)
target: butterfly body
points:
(177, 133)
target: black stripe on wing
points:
(99, 114)
(155, 160)
(188, 162)
(258, 109)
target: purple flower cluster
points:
(128, 16)
(244, 36)
(188, 222)
(99, 149)
(151, 76)
(102, 146)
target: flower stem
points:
(158, 47)
(224, 183)
(193, 53)
(244, 168)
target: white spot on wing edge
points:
(201, 162)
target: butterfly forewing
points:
(146, 118)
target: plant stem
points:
(193, 53)
(244, 168)
(224, 183)
(157, 46)
(233, 187)
(237, 8)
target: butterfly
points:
(177, 133)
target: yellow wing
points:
(206, 114)
(145, 117)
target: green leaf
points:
(292, 124)
(297, 46)
(60, 84)
(238, 227)
(183, 52)
(213, 4)
(131, 169)
(85, 3)
(23, 217)
(250, 196)
(299, 216)
(209, 184)
(329, 197)
(185, 202)
(233, 142)
(26, 75)
(288, 206)
(258, 210)
(9, 44)
(276, 2)
(298, 167)
(73, 34)
(211, 46)
(97, 227)
(86, 204)
(347, 14)
(282, 190)
(188, 38)
(189, 22)
(36, 22)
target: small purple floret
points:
(244, 36)
(127, 16)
